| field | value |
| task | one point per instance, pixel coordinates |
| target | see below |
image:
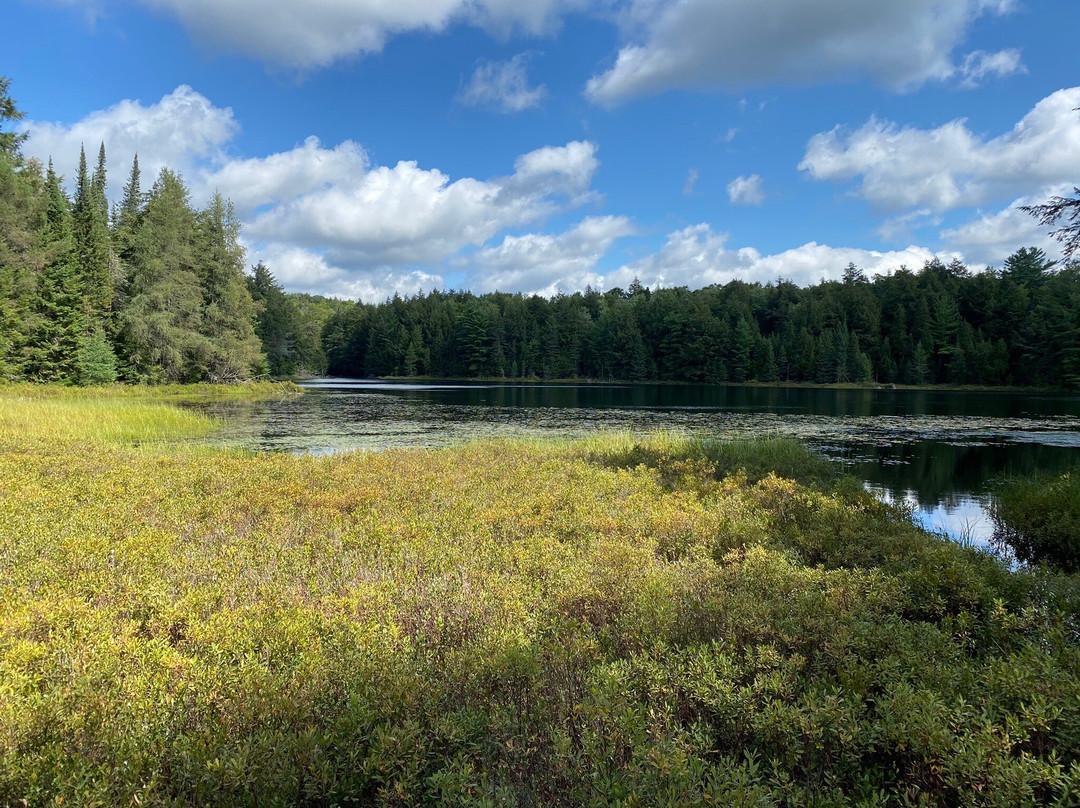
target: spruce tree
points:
(92, 241)
(276, 323)
(58, 324)
(22, 217)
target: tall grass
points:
(615, 621)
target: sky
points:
(374, 147)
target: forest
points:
(942, 324)
(153, 290)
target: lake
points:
(939, 451)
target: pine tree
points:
(276, 321)
(96, 360)
(22, 217)
(160, 326)
(228, 312)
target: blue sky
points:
(381, 146)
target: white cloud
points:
(502, 86)
(745, 43)
(546, 264)
(901, 227)
(691, 181)
(746, 190)
(181, 130)
(324, 218)
(980, 64)
(951, 166)
(990, 238)
(256, 182)
(301, 270)
(409, 215)
(316, 33)
(697, 256)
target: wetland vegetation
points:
(611, 620)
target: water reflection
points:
(939, 451)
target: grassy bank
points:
(597, 622)
(47, 417)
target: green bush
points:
(1039, 518)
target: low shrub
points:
(1039, 519)
(613, 622)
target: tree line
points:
(941, 324)
(154, 290)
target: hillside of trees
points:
(154, 290)
(940, 324)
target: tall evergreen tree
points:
(92, 241)
(22, 218)
(160, 326)
(228, 313)
(57, 327)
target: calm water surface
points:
(939, 451)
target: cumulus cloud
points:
(980, 64)
(326, 219)
(746, 43)
(547, 264)
(406, 214)
(989, 238)
(951, 166)
(502, 87)
(746, 190)
(302, 270)
(316, 33)
(697, 256)
(258, 182)
(182, 130)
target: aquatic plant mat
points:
(595, 622)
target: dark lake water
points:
(939, 451)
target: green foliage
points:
(9, 113)
(290, 326)
(941, 325)
(159, 297)
(1039, 518)
(608, 622)
(96, 360)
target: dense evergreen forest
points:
(940, 324)
(154, 290)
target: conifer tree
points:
(160, 325)
(22, 217)
(228, 316)
(57, 325)
(92, 241)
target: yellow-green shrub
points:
(503, 623)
